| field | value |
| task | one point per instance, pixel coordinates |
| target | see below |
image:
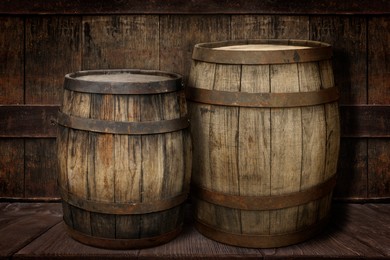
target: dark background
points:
(41, 41)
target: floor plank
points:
(192, 245)
(381, 209)
(367, 226)
(355, 231)
(56, 243)
(331, 244)
(336, 241)
(189, 245)
(21, 223)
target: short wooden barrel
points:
(265, 128)
(124, 157)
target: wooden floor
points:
(36, 230)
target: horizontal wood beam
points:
(39, 121)
(372, 121)
(17, 7)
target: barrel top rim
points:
(263, 47)
(155, 82)
(289, 42)
(100, 72)
(219, 52)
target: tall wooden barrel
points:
(265, 128)
(124, 157)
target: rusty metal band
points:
(171, 84)
(260, 241)
(120, 243)
(269, 100)
(126, 128)
(209, 52)
(265, 202)
(122, 208)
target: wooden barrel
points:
(124, 156)
(265, 129)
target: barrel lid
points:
(124, 81)
(262, 51)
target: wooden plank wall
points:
(39, 45)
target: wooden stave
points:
(81, 220)
(321, 206)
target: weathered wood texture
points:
(39, 121)
(262, 151)
(378, 93)
(109, 168)
(179, 34)
(116, 42)
(34, 231)
(12, 60)
(350, 53)
(21, 223)
(34, 121)
(200, 6)
(53, 46)
(12, 168)
(37, 51)
(357, 121)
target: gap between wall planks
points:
(44, 48)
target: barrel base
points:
(112, 243)
(260, 241)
